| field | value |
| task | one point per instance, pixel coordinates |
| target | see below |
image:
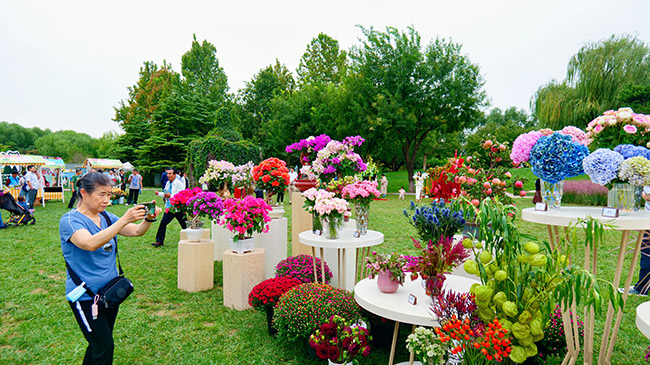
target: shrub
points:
(301, 310)
(301, 267)
(584, 192)
(553, 345)
(266, 294)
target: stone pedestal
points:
(300, 222)
(195, 265)
(206, 235)
(241, 272)
(274, 243)
(220, 236)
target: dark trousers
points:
(133, 196)
(166, 219)
(73, 198)
(31, 197)
(644, 263)
(281, 197)
(98, 332)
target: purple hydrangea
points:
(602, 165)
(629, 151)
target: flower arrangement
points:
(556, 157)
(522, 145)
(361, 192)
(339, 342)
(309, 147)
(330, 207)
(308, 173)
(339, 159)
(301, 267)
(450, 304)
(242, 176)
(117, 194)
(393, 263)
(426, 346)
(444, 181)
(218, 174)
(493, 345)
(179, 201)
(301, 310)
(554, 342)
(435, 221)
(266, 294)
(602, 166)
(635, 170)
(246, 216)
(629, 151)
(437, 258)
(336, 185)
(271, 175)
(204, 204)
(622, 126)
(313, 194)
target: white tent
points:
(127, 166)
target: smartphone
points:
(150, 207)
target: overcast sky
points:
(66, 64)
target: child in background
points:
(401, 193)
(22, 202)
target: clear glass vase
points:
(332, 226)
(361, 212)
(552, 194)
(622, 196)
(316, 222)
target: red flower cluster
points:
(493, 345)
(267, 293)
(271, 174)
(179, 201)
(338, 342)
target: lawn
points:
(161, 324)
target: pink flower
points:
(630, 129)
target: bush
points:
(301, 310)
(301, 267)
(266, 294)
(553, 346)
(584, 192)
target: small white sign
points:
(542, 207)
(610, 212)
(318, 232)
(413, 299)
(357, 234)
(424, 284)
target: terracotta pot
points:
(304, 185)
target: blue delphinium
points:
(629, 151)
(602, 165)
(436, 220)
(556, 157)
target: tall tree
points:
(412, 92)
(323, 62)
(202, 73)
(504, 126)
(635, 96)
(595, 75)
(71, 146)
(15, 137)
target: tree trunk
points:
(424, 164)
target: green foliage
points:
(504, 126)
(202, 73)
(323, 62)
(635, 96)
(71, 146)
(15, 137)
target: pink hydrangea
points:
(577, 135)
(522, 145)
(628, 128)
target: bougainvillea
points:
(246, 216)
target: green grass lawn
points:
(161, 324)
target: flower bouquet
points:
(437, 258)
(492, 345)
(311, 195)
(339, 159)
(331, 211)
(426, 346)
(389, 269)
(204, 204)
(361, 194)
(218, 176)
(271, 175)
(436, 221)
(622, 126)
(266, 294)
(301, 267)
(179, 201)
(245, 217)
(336, 186)
(339, 342)
(242, 180)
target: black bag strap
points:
(109, 223)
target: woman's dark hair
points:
(91, 181)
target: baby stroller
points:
(19, 215)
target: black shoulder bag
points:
(115, 291)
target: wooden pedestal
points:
(206, 235)
(300, 222)
(195, 265)
(241, 272)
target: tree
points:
(595, 76)
(504, 126)
(71, 146)
(412, 92)
(202, 73)
(16, 137)
(635, 96)
(323, 62)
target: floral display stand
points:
(274, 243)
(347, 250)
(206, 235)
(396, 306)
(195, 265)
(643, 318)
(627, 223)
(241, 272)
(300, 221)
(220, 236)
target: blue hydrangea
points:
(602, 165)
(629, 151)
(556, 157)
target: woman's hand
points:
(153, 216)
(134, 214)
(645, 196)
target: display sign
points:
(413, 299)
(357, 234)
(610, 212)
(318, 232)
(542, 207)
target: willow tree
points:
(595, 75)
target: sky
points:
(67, 64)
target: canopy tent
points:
(102, 163)
(128, 166)
(54, 163)
(56, 166)
(22, 160)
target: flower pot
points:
(361, 212)
(304, 185)
(623, 197)
(269, 321)
(386, 283)
(330, 362)
(224, 192)
(242, 245)
(552, 194)
(121, 200)
(332, 226)
(194, 234)
(277, 212)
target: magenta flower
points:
(628, 128)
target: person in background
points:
(89, 245)
(186, 180)
(2, 223)
(135, 185)
(293, 175)
(75, 189)
(32, 181)
(21, 201)
(402, 192)
(641, 287)
(173, 186)
(163, 178)
(537, 198)
(13, 180)
(383, 187)
(24, 188)
(120, 174)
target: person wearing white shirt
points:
(33, 183)
(172, 187)
(293, 175)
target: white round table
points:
(345, 241)
(643, 318)
(627, 222)
(396, 306)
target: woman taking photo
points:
(89, 244)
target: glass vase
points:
(552, 194)
(622, 196)
(332, 227)
(361, 212)
(316, 222)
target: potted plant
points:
(338, 159)
(245, 217)
(301, 310)
(266, 294)
(218, 177)
(389, 269)
(339, 342)
(179, 204)
(308, 149)
(242, 180)
(272, 175)
(490, 345)
(301, 267)
(204, 204)
(361, 194)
